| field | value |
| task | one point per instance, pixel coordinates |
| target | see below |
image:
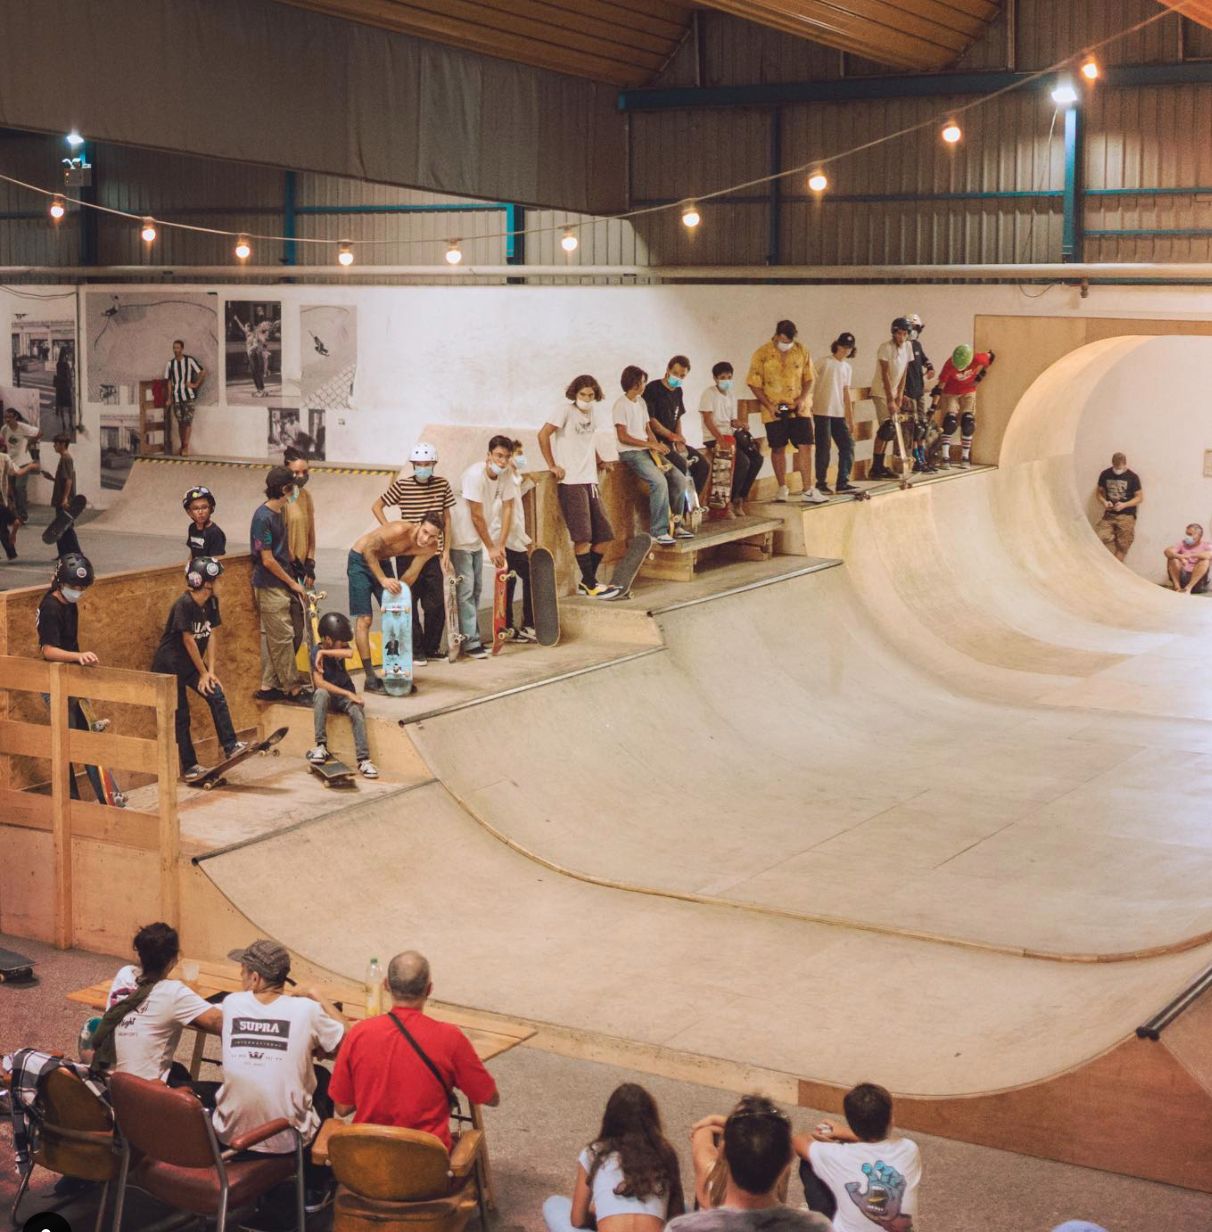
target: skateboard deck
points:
(903, 462)
(397, 642)
(109, 785)
(719, 489)
(454, 636)
(500, 608)
(333, 773)
(216, 777)
(637, 553)
(15, 968)
(65, 519)
(546, 603)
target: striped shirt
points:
(178, 373)
(414, 500)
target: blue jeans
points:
(219, 713)
(664, 488)
(76, 721)
(322, 703)
(468, 566)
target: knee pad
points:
(968, 423)
(950, 423)
(887, 431)
(919, 428)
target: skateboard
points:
(719, 488)
(217, 777)
(109, 785)
(454, 636)
(65, 519)
(904, 463)
(333, 773)
(638, 551)
(397, 642)
(500, 608)
(546, 603)
(15, 968)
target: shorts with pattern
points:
(794, 430)
(183, 413)
(1116, 530)
(581, 505)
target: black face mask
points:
(301, 480)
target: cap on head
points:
(75, 571)
(278, 479)
(961, 357)
(201, 571)
(198, 493)
(267, 958)
(422, 451)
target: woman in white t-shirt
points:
(628, 1179)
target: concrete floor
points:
(551, 1105)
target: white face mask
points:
(784, 346)
(71, 594)
(584, 404)
(1120, 470)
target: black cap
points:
(279, 477)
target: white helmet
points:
(915, 321)
(421, 452)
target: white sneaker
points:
(813, 497)
(525, 634)
(965, 464)
(368, 769)
(781, 494)
(318, 754)
(665, 541)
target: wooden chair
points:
(170, 1152)
(403, 1180)
(75, 1137)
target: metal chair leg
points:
(20, 1194)
(101, 1207)
(300, 1184)
(120, 1201)
(481, 1196)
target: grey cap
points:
(267, 958)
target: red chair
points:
(170, 1152)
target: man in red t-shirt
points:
(381, 1078)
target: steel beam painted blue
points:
(515, 242)
(290, 221)
(1071, 224)
(436, 208)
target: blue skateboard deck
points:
(397, 642)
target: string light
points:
(57, 208)
(1090, 69)
(74, 139)
(569, 242)
(818, 181)
(148, 230)
(952, 132)
(454, 252)
(345, 253)
(691, 216)
(243, 248)
(1064, 95)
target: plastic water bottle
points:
(84, 1042)
(374, 988)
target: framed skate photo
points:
(252, 344)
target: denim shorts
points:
(363, 586)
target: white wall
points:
(503, 355)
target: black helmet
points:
(336, 625)
(75, 571)
(198, 493)
(845, 339)
(201, 571)
(902, 323)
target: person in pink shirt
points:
(1188, 560)
(956, 394)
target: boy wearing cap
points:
(187, 651)
(204, 537)
(833, 414)
(270, 1041)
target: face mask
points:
(674, 381)
(519, 461)
(1120, 470)
(584, 404)
(423, 473)
(784, 346)
(294, 495)
(1190, 540)
(725, 385)
(302, 479)
(71, 594)
(495, 470)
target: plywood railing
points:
(67, 819)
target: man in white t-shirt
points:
(833, 414)
(720, 416)
(638, 451)
(863, 1177)
(270, 1042)
(481, 502)
(517, 548)
(17, 437)
(892, 362)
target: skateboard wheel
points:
(275, 752)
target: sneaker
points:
(194, 773)
(420, 658)
(943, 465)
(880, 471)
(303, 697)
(596, 591)
(318, 1198)
(367, 769)
(781, 494)
(236, 749)
(683, 533)
(824, 489)
(478, 652)
(965, 464)
(269, 695)
(665, 541)
(318, 755)
(845, 487)
(372, 684)
(813, 497)
(526, 634)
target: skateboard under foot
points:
(217, 776)
(333, 773)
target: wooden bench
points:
(747, 538)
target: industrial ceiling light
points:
(147, 231)
(345, 253)
(454, 253)
(690, 215)
(818, 181)
(952, 132)
(569, 242)
(243, 248)
(1064, 95)
(57, 207)
(74, 139)
(1090, 69)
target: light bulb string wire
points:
(816, 164)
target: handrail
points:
(1152, 1029)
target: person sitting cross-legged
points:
(1187, 561)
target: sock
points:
(966, 448)
(587, 568)
(596, 557)
(944, 451)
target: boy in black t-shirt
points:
(58, 624)
(187, 651)
(204, 538)
(334, 690)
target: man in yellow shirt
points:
(781, 376)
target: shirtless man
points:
(364, 569)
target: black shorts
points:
(795, 430)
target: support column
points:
(774, 227)
(1073, 218)
(290, 217)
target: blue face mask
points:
(423, 473)
(71, 594)
(674, 381)
(495, 470)
(519, 461)
(725, 385)
(294, 495)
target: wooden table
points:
(489, 1039)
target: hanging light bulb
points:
(818, 181)
(57, 208)
(74, 139)
(1064, 95)
(243, 248)
(1090, 69)
(569, 242)
(147, 231)
(952, 132)
(690, 215)
(345, 253)
(454, 253)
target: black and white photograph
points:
(286, 429)
(328, 336)
(131, 335)
(252, 351)
(44, 358)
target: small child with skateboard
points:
(718, 408)
(334, 690)
(187, 651)
(204, 537)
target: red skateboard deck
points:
(500, 609)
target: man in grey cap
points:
(270, 1040)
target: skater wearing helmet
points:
(892, 362)
(204, 538)
(415, 495)
(920, 371)
(335, 691)
(187, 651)
(58, 624)
(956, 391)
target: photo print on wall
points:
(44, 359)
(286, 429)
(329, 340)
(252, 350)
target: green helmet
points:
(961, 357)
